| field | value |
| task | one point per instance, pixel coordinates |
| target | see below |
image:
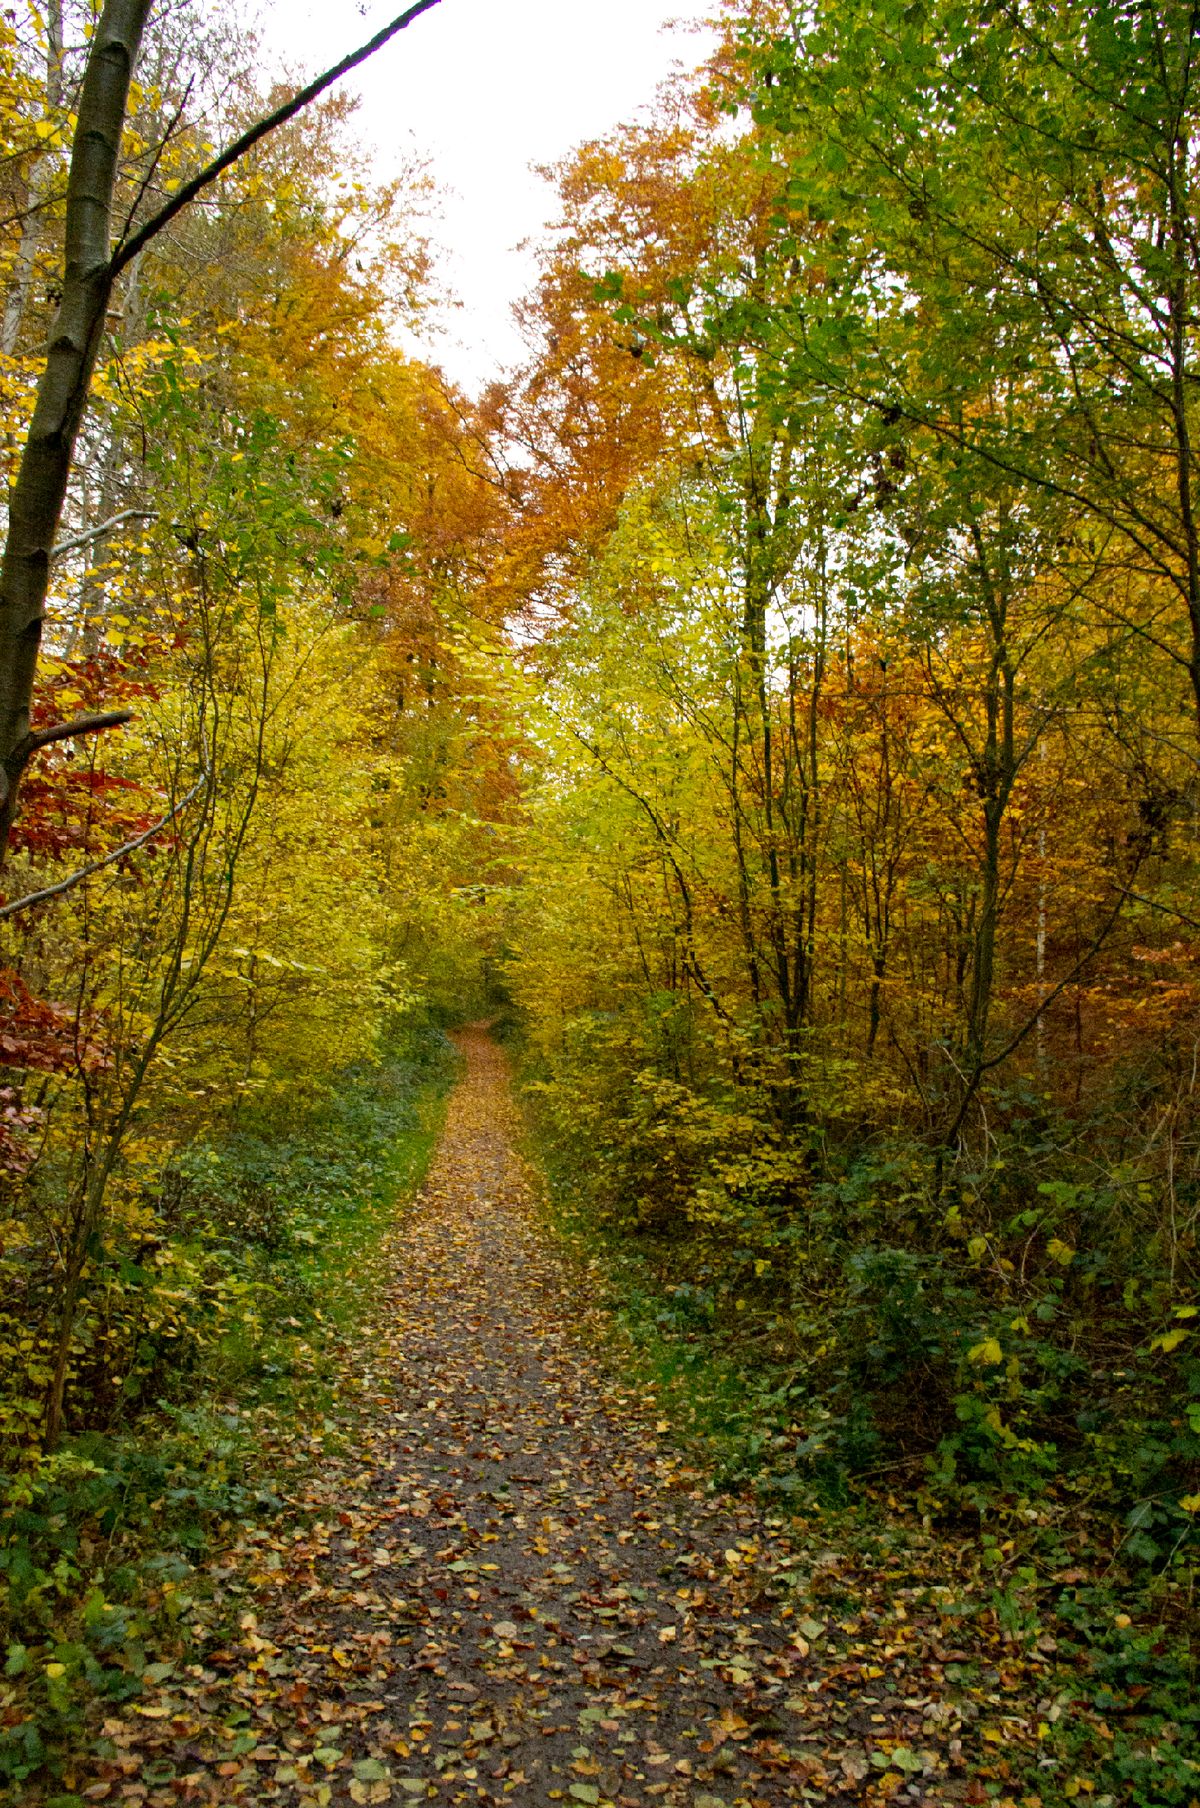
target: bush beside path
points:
(505, 1583)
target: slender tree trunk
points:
(997, 773)
(1179, 292)
(41, 485)
(56, 1392)
(1040, 946)
(875, 1001)
(983, 970)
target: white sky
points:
(485, 88)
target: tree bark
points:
(41, 485)
(91, 270)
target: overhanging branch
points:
(36, 739)
(187, 193)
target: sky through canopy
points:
(485, 91)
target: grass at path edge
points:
(106, 1552)
(1100, 1668)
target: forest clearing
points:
(599, 1008)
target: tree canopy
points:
(776, 706)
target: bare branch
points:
(19, 758)
(187, 193)
(97, 533)
(78, 725)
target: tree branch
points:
(97, 533)
(96, 866)
(982, 1066)
(23, 752)
(78, 725)
(184, 196)
(90, 270)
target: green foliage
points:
(1052, 1491)
(102, 1543)
(1011, 1338)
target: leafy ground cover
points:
(503, 1571)
(1062, 1657)
(105, 1547)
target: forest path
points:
(514, 1591)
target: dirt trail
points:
(516, 1591)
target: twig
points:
(96, 866)
(96, 533)
(185, 195)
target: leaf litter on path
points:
(512, 1590)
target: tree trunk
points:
(41, 486)
(996, 774)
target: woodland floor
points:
(509, 1587)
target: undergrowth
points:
(1025, 1566)
(103, 1544)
